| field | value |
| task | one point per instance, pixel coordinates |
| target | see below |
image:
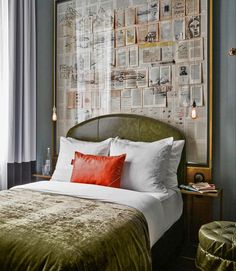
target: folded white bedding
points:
(161, 210)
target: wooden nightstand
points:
(39, 177)
(198, 210)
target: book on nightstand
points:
(201, 187)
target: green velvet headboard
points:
(128, 126)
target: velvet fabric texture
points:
(51, 232)
(100, 170)
(217, 247)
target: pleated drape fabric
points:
(22, 91)
(4, 92)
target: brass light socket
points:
(232, 52)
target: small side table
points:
(41, 177)
(189, 206)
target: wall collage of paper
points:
(134, 56)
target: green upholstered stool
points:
(217, 246)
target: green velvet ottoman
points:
(217, 246)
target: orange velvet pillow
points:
(100, 170)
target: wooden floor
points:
(186, 260)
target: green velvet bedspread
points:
(43, 231)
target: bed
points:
(69, 226)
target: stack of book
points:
(201, 187)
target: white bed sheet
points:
(161, 210)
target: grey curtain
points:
(22, 68)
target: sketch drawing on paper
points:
(149, 57)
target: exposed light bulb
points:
(194, 111)
(54, 113)
(232, 52)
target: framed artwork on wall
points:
(140, 57)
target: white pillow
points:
(145, 165)
(171, 181)
(68, 146)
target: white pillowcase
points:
(171, 181)
(145, 165)
(68, 147)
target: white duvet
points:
(161, 210)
